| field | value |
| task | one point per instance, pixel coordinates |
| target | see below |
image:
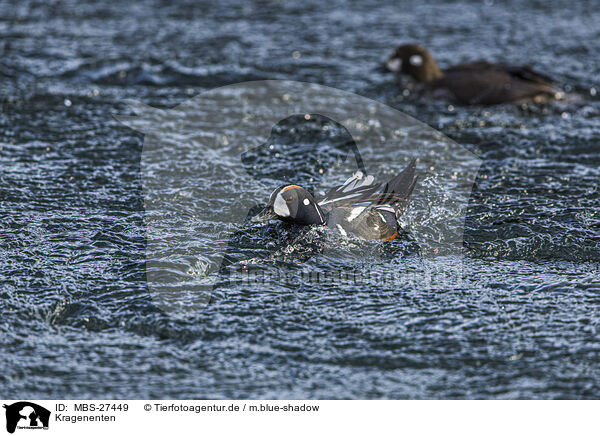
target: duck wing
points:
(523, 72)
(352, 191)
(392, 196)
(527, 73)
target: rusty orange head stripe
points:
(291, 187)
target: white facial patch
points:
(416, 60)
(306, 202)
(394, 64)
(280, 207)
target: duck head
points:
(416, 61)
(294, 204)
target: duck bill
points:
(267, 214)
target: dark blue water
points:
(77, 319)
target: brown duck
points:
(478, 82)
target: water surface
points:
(77, 320)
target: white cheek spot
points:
(306, 202)
(416, 60)
(280, 207)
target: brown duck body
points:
(472, 83)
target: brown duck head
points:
(416, 61)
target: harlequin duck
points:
(361, 207)
(478, 82)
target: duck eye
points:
(416, 60)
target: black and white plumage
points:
(359, 206)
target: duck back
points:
(486, 83)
